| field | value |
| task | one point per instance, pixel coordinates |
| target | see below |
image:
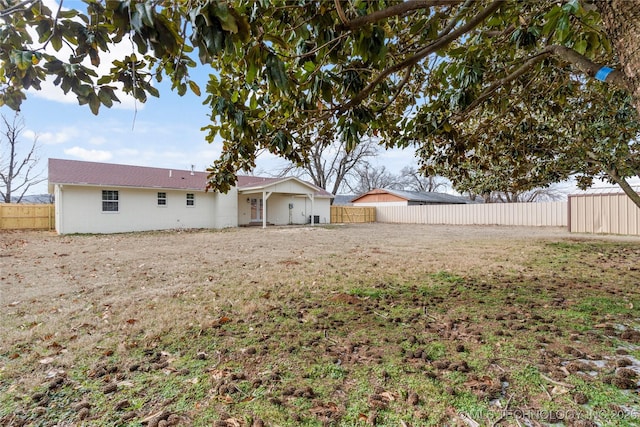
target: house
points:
(109, 198)
(385, 197)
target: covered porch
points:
(282, 201)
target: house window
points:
(162, 199)
(109, 201)
(191, 199)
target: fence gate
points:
(24, 217)
(352, 214)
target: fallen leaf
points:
(131, 321)
(226, 399)
(46, 360)
(559, 390)
(388, 395)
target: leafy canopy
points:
(282, 70)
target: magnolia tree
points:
(281, 70)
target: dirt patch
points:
(380, 324)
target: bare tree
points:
(413, 180)
(548, 194)
(17, 167)
(330, 165)
(369, 177)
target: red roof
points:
(108, 174)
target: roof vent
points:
(170, 172)
(192, 171)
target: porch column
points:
(265, 196)
(311, 196)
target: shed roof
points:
(417, 196)
(77, 172)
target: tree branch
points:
(423, 53)
(584, 64)
(454, 21)
(341, 14)
(501, 82)
(404, 81)
(18, 7)
(589, 67)
(394, 10)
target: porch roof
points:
(287, 185)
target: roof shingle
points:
(113, 175)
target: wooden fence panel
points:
(352, 214)
(552, 214)
(25, 217)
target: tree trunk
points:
(626, 187)
(621, 19)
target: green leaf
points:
(580, 46)
(23, 59)
(572, 6)
(194, 87)
(251, 60)
(309, 66)
(94, 104)
(551, 20)
(276, 40)
(152, 91)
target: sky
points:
(164, 132)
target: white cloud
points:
(89, 155)
(51, 92)
(116, 52)
(52, 138)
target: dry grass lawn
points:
(373, 324)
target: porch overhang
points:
(290, 186)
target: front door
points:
(256, 209)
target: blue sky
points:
(163, 132)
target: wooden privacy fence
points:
(603, 213)
(352, 214)
(552, 214)
(23, 217)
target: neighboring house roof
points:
(78, 172)
(343, 199)
(417, 196)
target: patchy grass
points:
(253, 327)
